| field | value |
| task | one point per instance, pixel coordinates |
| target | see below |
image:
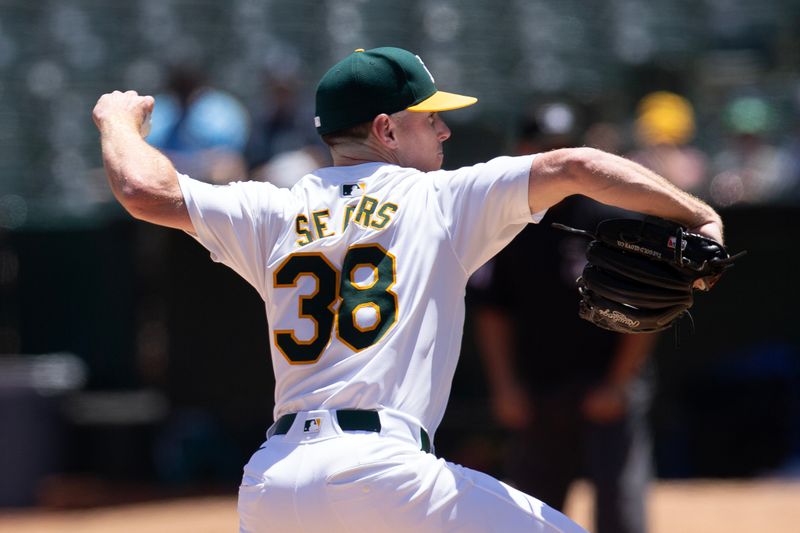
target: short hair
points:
(359, 132)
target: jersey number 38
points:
(332, 285)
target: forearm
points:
(616, 181)
(142, 179)
(640, 189)
(139, 175)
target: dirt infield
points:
(711, 507)
(675, 507)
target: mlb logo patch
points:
(312, 425)
(352, 190)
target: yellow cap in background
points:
(665, 118)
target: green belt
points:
(349, 420)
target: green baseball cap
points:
(381, 80)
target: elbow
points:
(128, 191)
(145, 208)
(133, 205)
(134, 196)
(558, 174)
(137, 212)
(575, 167)
(578, 162)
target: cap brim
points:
(442, 101)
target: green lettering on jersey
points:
(319, 223)
(384, 215)
(301, 227)
(348, 216)
(365, 210)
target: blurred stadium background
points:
(133, 368)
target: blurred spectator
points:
(750, 169)
(573, 397)
(792, 148)
(663, 129)
(604, 136)
(547, 127)
(284, 169)
(201, 129)
(283, 144)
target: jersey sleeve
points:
(238, 223)
(484, 206)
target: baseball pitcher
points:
(362, 267)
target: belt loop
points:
(425, 440)
(281, 426)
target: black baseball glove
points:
(641, 274)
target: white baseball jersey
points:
(363, 271)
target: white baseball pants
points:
(318, 478)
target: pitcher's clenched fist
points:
(124, 109)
